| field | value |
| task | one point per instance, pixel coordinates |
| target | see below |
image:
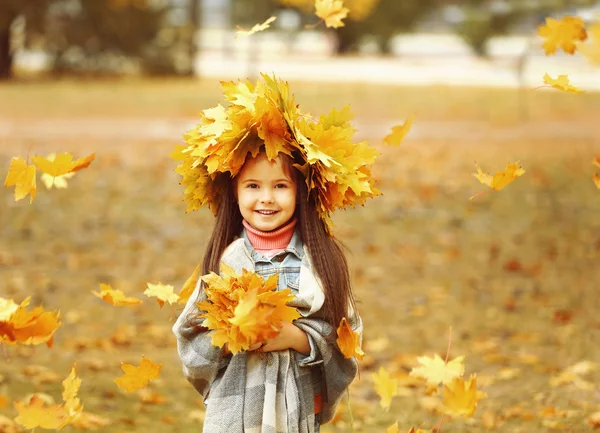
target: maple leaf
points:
(61, 164)
(501, 178)
(348, 341)
(435, 370)
(460, 397)
(27, 327)
(256, 28)
(138, 377)
(163, 293)
(561, 83)
(22, 177)
(115, 297)
(564, 33)
(36, 413)
(332, 11)
(385, 387)
(393, 428)
(243, 309)
(189, 286)
(399, 132)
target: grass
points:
(514, 273)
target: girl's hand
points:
(289, 337)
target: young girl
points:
(269, 219)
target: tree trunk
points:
(5, 54)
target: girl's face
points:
(266, 193)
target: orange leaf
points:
(348, 341)
(562, 34)
(332, 11)
(115, 297)
(399, 132)
(22, 177)
(138, 377)
(561, 83)
(30, 328)
(501, 179)
(163, 293)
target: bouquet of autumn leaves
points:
(244, 309)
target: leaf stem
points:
(350, 409)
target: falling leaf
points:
(138, 377)
(256, 28)
(332, 11)
(61, 164)
(460, 398)
(59, 182)
(385, 387)
(115, 297)
(189, 286)
(435, 370)
(564, 33)
(393, 428)
(348, 341)
(22, 177)
(399, 132)
(163, 293)
(37, 412)
(27, 327)
(501, 178)
(561, 83)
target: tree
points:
(34, 12)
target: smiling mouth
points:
(266, 212)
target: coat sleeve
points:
(338, 372)
(201, 361)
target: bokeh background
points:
(511, 278)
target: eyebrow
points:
(275, 181)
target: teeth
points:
(266, 212)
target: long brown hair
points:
(328, 259)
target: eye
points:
(281, 185)
(252, 185)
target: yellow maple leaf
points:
(501, 179)
(22, 177)
(564, 33)
(385, 387)
(59, 182)
(36, 412)
(435, 370)
(348, 341)
(393, 428)
(399, 132)
(256, 28)
(163, 293)
(115, 297)
(7, 308)
(460, 397)
(61, 164)
(138, 377)
(561, 83)
(331, 11)
(189, 286)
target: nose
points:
(266, 196)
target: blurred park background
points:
(515, 273)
